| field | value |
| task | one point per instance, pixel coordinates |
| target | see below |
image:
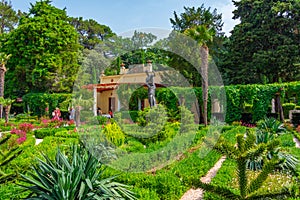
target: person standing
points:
(111, 113)
(99, 111)
(56, 114)
(72, 114)
(77, 116)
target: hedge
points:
(37, 103)
(233, 98)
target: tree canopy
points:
(8, 17)
(264, 47)
(91, 33)
(203, 19)
(44, 49)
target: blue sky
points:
(127, 15)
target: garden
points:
(237, 140)
(155, 154)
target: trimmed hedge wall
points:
(236, 97)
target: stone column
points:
(95, 100)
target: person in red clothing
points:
(56, 114)
(110, 112)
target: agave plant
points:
(271, 126)
(73, 178)
(244, 150)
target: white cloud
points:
(229, 23)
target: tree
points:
(3, 60)
(91, 33)
(203, 35)
(264, 47)
(8, 17)
(202, 25)
(6, 103)
(137, 49)
(44, 51)
(192, 17)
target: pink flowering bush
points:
(45, 122)
(22, 139)
(56, 123)
(27, 127)
(20, 133)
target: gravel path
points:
(197, 194)
(297, 142)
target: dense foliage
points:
(264, 46)
(44, 49)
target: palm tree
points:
(6, 103)
(3, 60)
(203, 35)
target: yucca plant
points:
(244, 150)
(74, 177)
(6, 156)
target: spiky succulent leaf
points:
(263, 175)
(75, 177)
(218, 190)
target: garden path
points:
(197, 194)
(297, 142)
(37, 141)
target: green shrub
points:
(10, 191)
(67, 134)
(6, 157)
(44, 132)
(41, 133)
(102, 120)
(38, 102)
(4, 127)
(85, 115)
(133, 146)
(114, 134)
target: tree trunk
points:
(279, 107)
(7, 109)
(204, 69)
(2, 75)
